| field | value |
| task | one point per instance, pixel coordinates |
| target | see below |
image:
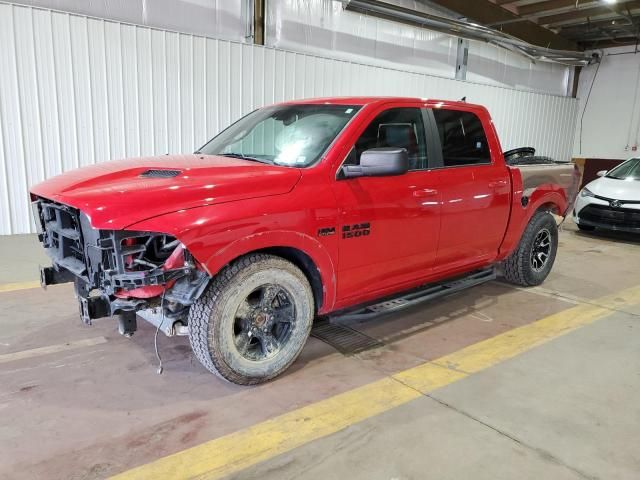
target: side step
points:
(427, 293)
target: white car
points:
(611, 202)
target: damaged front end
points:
(118, 272)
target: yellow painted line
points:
(487, 353)
(237, 451)
(61, 347)
(12, 287)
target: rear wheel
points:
(532, 261)
(253, 320)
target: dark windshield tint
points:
(629, 170)
(291, 135)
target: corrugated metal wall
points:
(325, 28)
(76, 91)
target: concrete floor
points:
(20, 258)
(567, 409)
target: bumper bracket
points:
(51, 276)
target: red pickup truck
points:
(298, 210)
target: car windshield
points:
(629, 170)
(289, 135)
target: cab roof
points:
(375, 100)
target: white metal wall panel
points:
(611, 123)
(324, 27)
(212, 18)
(75, 91)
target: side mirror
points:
(602, 173)
(379, 162)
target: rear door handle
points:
(498, 183)
(426, 192)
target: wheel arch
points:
(309, 255)
(552, 207)
(551, 200)
(305, 263)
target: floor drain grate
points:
(344, 339)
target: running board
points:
(425, 294)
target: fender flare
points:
(282, 239)
(552, 194)
(543, 195)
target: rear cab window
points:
(462, 138)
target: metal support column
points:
(462, 59)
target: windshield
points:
(290, 135)
(629, 170)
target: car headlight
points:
(586, 193)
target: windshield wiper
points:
(244, 157)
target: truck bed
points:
(564, 174)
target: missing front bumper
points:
(93, 307)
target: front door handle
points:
(498, 183)
(426, 192)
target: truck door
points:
(475, 188)
(388, 226)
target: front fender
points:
(215, 237)
(282, 239)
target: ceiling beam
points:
(576, 16)
(619, 9)
(582, 28)
(488, 13)
(606, 43)
(626, 24)
(548, 6)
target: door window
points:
(396, 127)
(462, 138)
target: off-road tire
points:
(518, 268)
(211, 318)
(586, 228)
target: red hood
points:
(114, 195)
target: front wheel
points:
(253, 320)
(531, 262)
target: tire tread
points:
(202, 311)
(516, 267)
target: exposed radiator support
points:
(470, 31)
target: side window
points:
(396, 127)
(462, 137)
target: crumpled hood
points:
(114, 194)
(616, 189)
